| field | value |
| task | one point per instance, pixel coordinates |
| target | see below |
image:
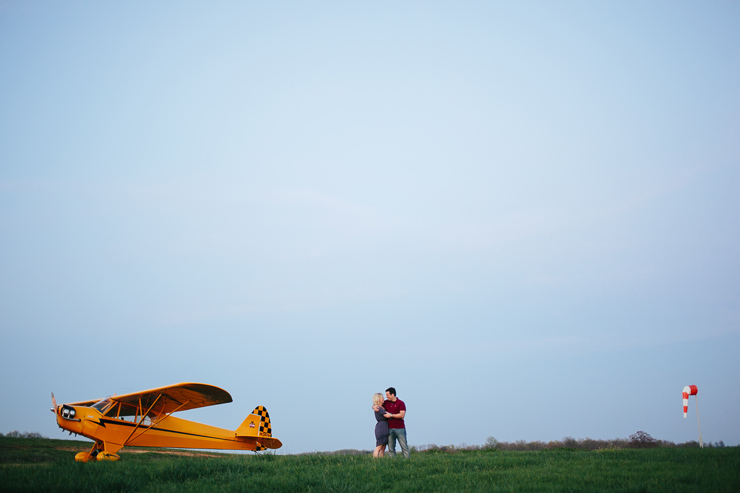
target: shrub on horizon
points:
(642, 439)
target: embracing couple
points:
(390, 426)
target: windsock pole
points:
(701, 442)
(687, 391)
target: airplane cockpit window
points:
(103, 405)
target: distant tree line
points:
(25, 434)
(639, 439)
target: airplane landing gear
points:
(107, 456)
(84, 457)
(96, 454)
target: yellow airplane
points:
(144, 419)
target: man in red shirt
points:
(396, 426)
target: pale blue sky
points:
(522, 215)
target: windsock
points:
(687, 391)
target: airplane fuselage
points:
(170, 432)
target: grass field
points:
(48, 465)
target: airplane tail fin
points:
(257, 425)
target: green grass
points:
(48, 465)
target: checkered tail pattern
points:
(265, 426)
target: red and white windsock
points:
(687, 391)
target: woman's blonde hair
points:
(378, 399)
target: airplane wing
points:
(179, 397)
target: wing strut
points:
(141, 419)
(159, 419)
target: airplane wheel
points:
(107, 456)
(83, 457)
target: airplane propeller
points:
(53, 403)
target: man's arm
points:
(398, 415)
